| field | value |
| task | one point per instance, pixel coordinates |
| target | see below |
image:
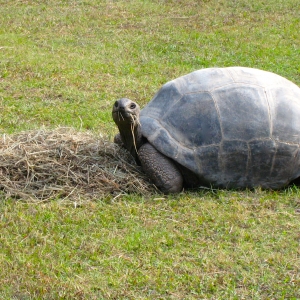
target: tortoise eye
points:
(116, 104)
(132, 106)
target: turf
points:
(64, 63)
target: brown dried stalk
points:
(44, 164)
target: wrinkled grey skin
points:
(160, 169)
(224, 127)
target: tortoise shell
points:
(232, 127)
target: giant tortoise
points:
(230, 127)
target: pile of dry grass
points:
(45, 164)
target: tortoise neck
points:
(132, 139)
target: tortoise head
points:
(126, 115)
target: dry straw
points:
(45, 164)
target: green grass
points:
(223, 245)
(65, 63)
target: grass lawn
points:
(64, 63)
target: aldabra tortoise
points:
(224, 127)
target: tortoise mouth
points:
(125, 117)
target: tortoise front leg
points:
(160, 169)
(118, 140)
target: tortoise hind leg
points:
(160, 169)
